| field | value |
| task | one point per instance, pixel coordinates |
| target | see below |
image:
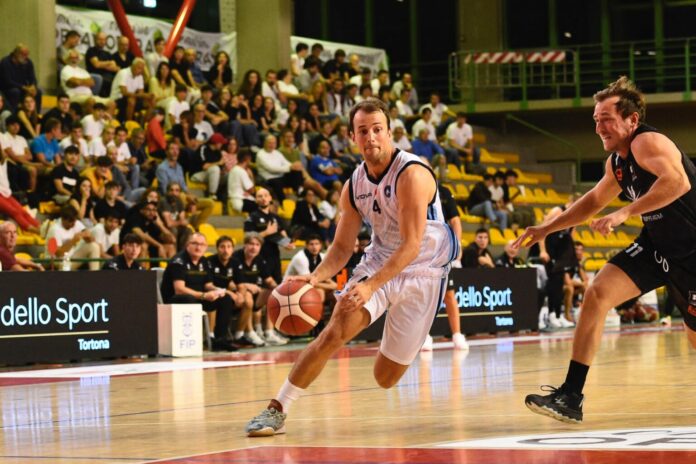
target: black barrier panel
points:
(62, 316)
(490, 300)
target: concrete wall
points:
(32, 22)
(263, 35)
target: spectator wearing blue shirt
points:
(434, 153)
(45, 147)
(323, 169)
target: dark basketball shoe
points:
(560, 404)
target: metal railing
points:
(667, 66)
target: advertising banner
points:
(63, 316)
(489, 300)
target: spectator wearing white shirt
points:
(24, 172)
(97, 147)
(460, 137)
(297, 59)
(73, 239)
(382, 80)
(400, 140)
(363, 78)
(75, 138)
(78, 83)
(406, 82)
(106, 236)
(156, 57)
(177, 105)
(240, 184)
(269, 88)
(204, 128)
(441, 112)
(93, 124)
(394, 118)
(128, 91)
(306, 261)
(425, 122)
(125, 162)
(276, 171)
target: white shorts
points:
(412, 301)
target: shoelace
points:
(550, 388)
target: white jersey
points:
(377, 202)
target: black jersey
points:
(672, 228)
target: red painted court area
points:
(307, 455)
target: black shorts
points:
(648, 269)
(450, 282)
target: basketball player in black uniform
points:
(659, 180)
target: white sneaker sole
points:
(266, 432)
(551, 413)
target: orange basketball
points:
(295, 307)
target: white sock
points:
(238, 334)
(287, 394)
(268, 332)
(258, 328)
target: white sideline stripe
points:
(115, 370)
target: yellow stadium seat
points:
(523, 178)
(449, 187)
(588, 239)
(462, 192)
(236, 234)
(22, 255)
(211, 235)
(538, 215)
(453, 172)
(623, 238)
(487, 158)
(130, 125)
(509, 235)
(497, 238)
(287, 209)
(48, 102)
(541, 197)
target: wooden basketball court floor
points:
(450, 407)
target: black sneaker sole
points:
(544, 411)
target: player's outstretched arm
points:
(584, 208)
(658, 155)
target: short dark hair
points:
(317, 46)
(301, 46)
(631, 99)
(511, 173)
(461, 114)
(68, 213)
(77, 108)
(578, 243)
(121, 129)
(281, 74)
(369, 105)
(132, 238)
(311, 237)
(487, 176)
(206, 88)
(11, 119)
(158, 40)
(499, 175)
(111, 184)
(481, 230)
(104, 162)
(50, 124)
(72, 33)
(222, 239)
(72, 149)
(62, 95)
(180, 88)
(340, 53)
(426, 110)
(99, 106)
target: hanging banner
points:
(146, 30)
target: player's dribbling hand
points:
(357, 296)
(311, 279)
(606, 224)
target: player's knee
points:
(385, 379)
(332, 337)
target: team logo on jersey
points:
(619, 174)
(631, 193)
(387, 191)
(692, 303)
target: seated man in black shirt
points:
(251, 273)
(147, 225)
(65, 176)
(509, 257)
(223, 277)
(131, 246)
(188, 279)
(307, 220)
(477, 254)
(110, 204)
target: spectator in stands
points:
(203, 128)
(240, 124)
(441, 112)
(61, 112)
(99, 61)
(276, 171)
(307, 219)
(335, 68)
(480, 204)
(269, 88)
(29, 117)
(223, 271)
(271, 229)
(24, 171)
(164, 89)
(325, 170)
(66, 176)
(75, 138)
(329, 208)
(188, 279)
(70, 42)
(306, 261)
(406, 82)
(173, 213)
(136, 146)
(9, 204)
(106, 235)
(182, 74)
(46, 147)
(97, 146)
(353, 66)
(253, 275)
(324, 134)
(213, 113)
(400, 140)
(335, 98)
(294, 155)
(156, 141)
(93, 124)
(250, 85)
(198, 79)
(287, 91)
(154, 58)
(509, 258)
(99, 175)
(128, 91)
(382, 80)
(522, 215)
(118, 174)
(110, 205)
(147, 225)
(8, 241)
(132, 246)
(575, 282)
(309, 75)
(177, 106)
(73, 239)
(17, 77)
(429, 150)
(476, 255)
(425, 122)
(123, 56)
(4, 113)
(341, 142)
(297, 59)
(125, 161)
(83, 202)
(267, 118)
(403, 106)
(220, 73)
(76, 82)
(497, 194)
(206, 165)
(363, 79)
(240, 184)
(460, 137)
(315, 52)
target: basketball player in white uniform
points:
(404, 269)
